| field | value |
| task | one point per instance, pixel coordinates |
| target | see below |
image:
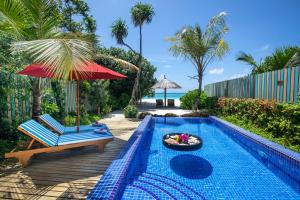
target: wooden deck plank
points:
(65, 175)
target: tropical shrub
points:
(142, 115)
(189, 99)
(200, 113)
(281, 120)
(130, 111)
(171, 115)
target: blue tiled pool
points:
(232, 164)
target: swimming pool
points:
(232, 164)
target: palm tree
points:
(119, 31)
(34, 25)
(201, 48)
(140, 14)
(281, 58)
(248, 59)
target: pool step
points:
(133, 192)
(186, 191)
(159, 187)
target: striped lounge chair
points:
(61, 129)
(54, 143)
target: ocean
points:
(160, 95)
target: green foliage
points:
(280, 58)
(201, 47)
(5, 146)
(142, 13)
(142, 115)
(99, 97)
(50, 108)
(70, 120)
(130, 111)
(120, 90)
(279, 121)
(200, 113)
(70, 9)
(188, 101)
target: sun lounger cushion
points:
(83, 128)
(69, 129)
(36, 130)
(82, 137)
(53, 122)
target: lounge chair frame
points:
(25, 156)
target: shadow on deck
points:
(63, 175)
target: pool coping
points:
(111, 183)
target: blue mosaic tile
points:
(232, 164)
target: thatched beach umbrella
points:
(166, 84)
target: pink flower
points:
(184, 137)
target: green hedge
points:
(130, 111)
(189, 99)
(281, 121)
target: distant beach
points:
(160, 95)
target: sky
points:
(257, 27)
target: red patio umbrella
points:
(91, 71)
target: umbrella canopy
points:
(166, 84)
(91, 71)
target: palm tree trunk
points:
(37, 98)
(197, 103)
(136, 88)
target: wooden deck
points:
(65, 175)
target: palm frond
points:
(122, 63)
(60, 56)
(14, 16)
(248, 59)
(141, 13)
(119, 30)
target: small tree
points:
(140, 14)
(201, 48)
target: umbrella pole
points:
(165, 91)
(78, 106)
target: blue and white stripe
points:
(61, 129)
(83, 128)
(36, 130)
(82, 137)
(53, 123)
(40, 132)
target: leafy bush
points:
(279, 120)
(201, 113)
(142, 115)
(189, 99)
(130, 111)
(50, 108)
(171, 115)
(70, 120)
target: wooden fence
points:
(19, 96)
(281, 86)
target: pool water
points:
(221, 169)
(169, 96)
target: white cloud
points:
(264, 47)
(217, 71)
(234, 76)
